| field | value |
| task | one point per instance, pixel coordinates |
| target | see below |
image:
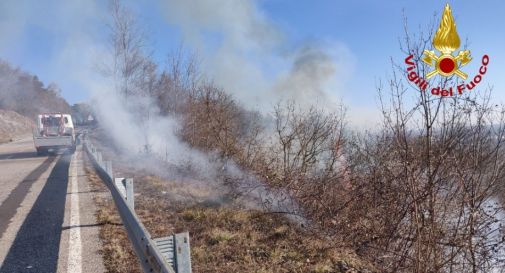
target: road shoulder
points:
(80, 247)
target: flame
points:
(446, 39)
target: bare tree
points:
(128, 44)
(181, 79)
(134, 74)
(215, 122)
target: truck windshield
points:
(51, 121)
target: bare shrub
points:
(306, 158)
(213, 121)
(425, 185)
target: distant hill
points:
(26, 94)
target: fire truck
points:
(52, 132)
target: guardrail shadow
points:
(36, 246)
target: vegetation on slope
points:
(26, 94)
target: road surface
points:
(47, 221)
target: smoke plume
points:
(252, 58)
(249, 58)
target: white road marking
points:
(74, 244)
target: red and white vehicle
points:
(53, 131)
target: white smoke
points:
(70, 41)
(250, 56)
(250, 59)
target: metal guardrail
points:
(168, 254)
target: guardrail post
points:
(99, 158)
(175, 249)
(125, 187)
(120, 184)
(182, 253)
(130, 198)
(108, 169)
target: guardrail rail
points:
(169, 254)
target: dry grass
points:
(227, 240)
(117, 252)
(223, 239)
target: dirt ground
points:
(13, 126)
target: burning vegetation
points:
(420, 193)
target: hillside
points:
(26, 94)
(13, 125)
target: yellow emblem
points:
(446, 41)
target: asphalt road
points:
(39, 230)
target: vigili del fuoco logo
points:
(446, 63)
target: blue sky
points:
(34, 34)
